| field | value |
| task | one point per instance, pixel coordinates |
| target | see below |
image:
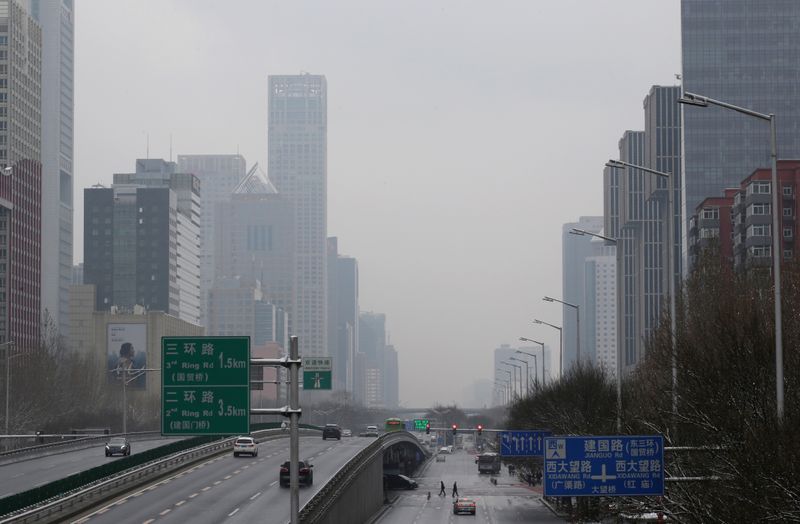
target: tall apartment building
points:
(574, 250)
(712, 227)
(342, 315)
(255, 240)
(141, 241)
(21, 176)
(57, 20)
(742, 52)
(297, 153)
(219, 176)
(601, 304)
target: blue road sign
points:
(522, 443)
(409, 425)
(604, 466)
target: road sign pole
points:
(294, 434)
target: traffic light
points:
(480, 429)
(428, 428)
(455, 429)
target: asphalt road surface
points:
(508, 501)
(27, 474)
(228, 489)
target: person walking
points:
(442, 492)
(455, 489)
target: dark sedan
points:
(399, 482)
(118, 446)
(306, 473)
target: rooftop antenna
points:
(170, 147)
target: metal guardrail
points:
(86, 497)
(69, 443)
(319, 504)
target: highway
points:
(508, 502)
(228, 489)
(33, 472)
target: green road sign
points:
(316, 373)
(420, 424)
(205, 385)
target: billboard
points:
(127, 351)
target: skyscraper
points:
(743, 52)
(142, 241)
(575, 249)
(219, 175)
(57, 20)
(297, 153)
(20, 180)
(342, 315)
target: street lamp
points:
(560, 344)
(510, 381)
(527, 375)
(704, 101)
(516, 367)
(578, 316)
(523, 339)
(670, 268)
(614, 241)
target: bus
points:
(488, 463)
(394, 424)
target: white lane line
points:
(216, 483)
(232, 513)
(227, 477)
(255, 496)
(165, 511)
(272, 484)
(100, 512)
(237, 471)
(181, 503)
(206, 488)
(148, 521)
(193, 495)
(81, 521)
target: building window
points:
(758, 188)
(711, 213)
(787, 232)
(788, 191)
(758, 231)
(760, 251)
(787, 212)
(709, 232)
(759, 209)
(787, 253)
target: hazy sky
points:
(461, 136)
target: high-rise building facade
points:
(57, 20)
(743, 52)
(21, 176)
(158, 173)
(141, 241)
(297, 153)
(601, 305)
(575, 249)
(392, 378)
(372, 345)
(342, 315)
(255, 240)
(503, 353)
(219, 175)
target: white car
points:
(245, 446)
(372, 431)
(347, 433)
(445, 450)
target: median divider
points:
(63, 498)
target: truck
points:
(489, 463)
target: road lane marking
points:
(232, 513)
(255, 496)
(227, 477)
(148, 521)
(193, 495)
(206, 488)
(273, 483)
(165, 512)
(216, 483)
(181, 503)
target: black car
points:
(331, 431)
(306, 473)
(118, 446)
(399, 482)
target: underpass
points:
(508, 501)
